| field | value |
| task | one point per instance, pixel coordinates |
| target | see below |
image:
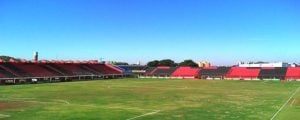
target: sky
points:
(222, 32)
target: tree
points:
(7, 58)
(167, 62)
(153, 63)
(190, 63)
(260, 62)
(120, 63)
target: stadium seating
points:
(243, 73)
(150, 70)
(85, 67)
(55, 67)
(112, 69)
(4, 73)
(162, 71)
(26, 72)
(214, 72)
(33, 70)
(45, 70)
(128, 69)
(104, 69)
(293, 73)
(11, 70)
(272, 73)
(16, 71)
(2, 76)
(54, 71)
(186, 72)
(74, 69)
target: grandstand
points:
(162, 71)
(130, 70)
(219, 73)
(214, 72)
(272, 73)
(242, 73)
(14, 72)
(293, 73)
(186, 72)
(149, 70)
(48, 71)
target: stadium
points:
(149, 60)
(244, 91)
(23, 71)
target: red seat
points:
(162, 71)
(33, 69)
(2, 76)
(293, 73)
(187, 72)
(105, 69)
(243, 73)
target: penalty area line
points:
(4, 116)
(278, 111)
(146, 114)
(36, 100)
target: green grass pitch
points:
(151, 99)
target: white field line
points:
(64, 101)
(42, 102)
(157, 87)
(60, 101)
(292, 95)
(293, 102)
(146, 114)
(126, 108)
(165, 88)
(4, 116)
(55, 101)
(107, 107)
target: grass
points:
(150, 99)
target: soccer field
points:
(152, 99)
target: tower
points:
(35, 56)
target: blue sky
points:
(220, 31)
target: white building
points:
(204, 64)
(262, 64)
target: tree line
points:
(164, 62)
(7, 58)
(171, 63)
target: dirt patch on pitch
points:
(11, 105)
